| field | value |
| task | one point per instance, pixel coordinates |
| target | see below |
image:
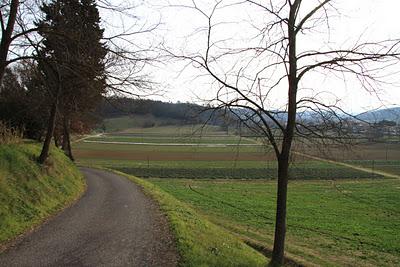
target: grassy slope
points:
(29, 193)
(352, 223)
(126, 122)
(141, 123)
(201, 243)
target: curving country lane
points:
(113, 224)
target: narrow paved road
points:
(113, 224)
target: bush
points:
(10, 135)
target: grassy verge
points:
(200, 242)
(29, 192)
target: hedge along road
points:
(113, 224)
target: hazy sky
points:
(365, 19)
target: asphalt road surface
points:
(113, 224)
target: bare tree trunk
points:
(64, 139)
(280, 219)
(6, 37)
(56, 139)
(50, 131)
(67, 139)
(283, 158)
(52, 122)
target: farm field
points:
(213, 156)
(360, 152)
(337, 215)
(194, 151)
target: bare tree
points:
(128, 52)
(247, 74)
(17, 24)
(7, 29)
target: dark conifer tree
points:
(72, 60)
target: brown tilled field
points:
(367, 151)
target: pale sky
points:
(365, 19)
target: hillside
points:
(389, 114)
(155, 113)
(29, 192)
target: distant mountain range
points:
(390, 114)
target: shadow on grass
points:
(268, 253)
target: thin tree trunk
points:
(6, 37)
(50, 131)
(51, 124)
(66, 139)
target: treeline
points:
(184, 113)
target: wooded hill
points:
(170, 113)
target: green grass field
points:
(348, 223)
(147, 124)
(335, 218)
(135, 121)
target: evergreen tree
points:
(73, 59)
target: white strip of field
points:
(169, 144)
(86, 137)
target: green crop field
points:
(170, 148)
(390, 166)
(349, 223)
